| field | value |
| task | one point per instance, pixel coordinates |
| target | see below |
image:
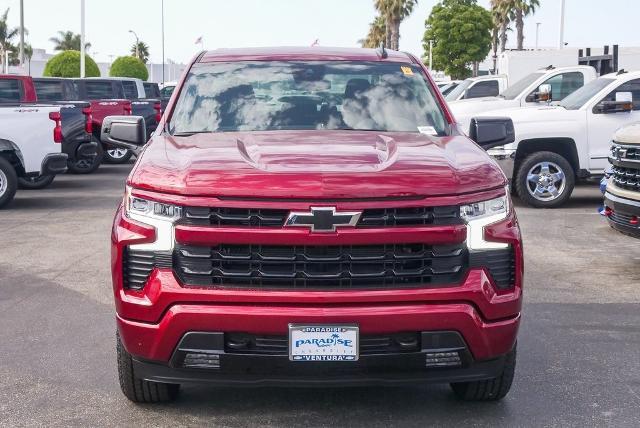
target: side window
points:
(98, 90)
(564, 84)
(49, 90)
(490, 88)
(130, 90)
(10, 91)
(632, 86)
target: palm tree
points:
(143, 51)
(377, 33)
(6, 35)
(394, 12)
(501, 13)
(516, 11)
(67, 41)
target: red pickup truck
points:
(314, 216)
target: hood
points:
(314, 164)
(534, 114)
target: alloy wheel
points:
(546, 181)
(117, 153)
(3, 182)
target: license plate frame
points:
(332, 351)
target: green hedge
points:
(129, 66)
(67, 64)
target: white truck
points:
(30, 145)
(555, 145)
(479, 87)
(526, 92)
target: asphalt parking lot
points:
(578, 355)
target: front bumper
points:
(624, 212)
(505, 159)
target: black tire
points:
(35, 182)
(87, 166)
(113, 159)
(8, 182)
(139, 390)
(555, 164)
(491, 389)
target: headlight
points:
(160, 215)
(480, 214)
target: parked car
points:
(558, 144)
(478, 87)
(526, 92)
(113, 89)
(302, 220)
(622, 191)
(31, 146)
(166, 89)
(75, 119)
(445, 89)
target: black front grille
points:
(625, 152)
(626, 178)
(322, 267)
(138, 264)
(241, 343)
(383, 217)
(500, 263)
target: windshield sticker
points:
(427, 130)
(407, 71)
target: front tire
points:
(35, 182)
(140, 390)
(491, 389)
(117, 155)
(8, 182)
(545, 180)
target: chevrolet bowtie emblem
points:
(323, 219)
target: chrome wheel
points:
(546, 181)
(117, 153)
(3, 182)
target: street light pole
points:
(21, 33)
(162, 8)
(430, 55)
(137, 43)
(561, 39)
(537, 33)
(82, 49)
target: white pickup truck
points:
(479, 87)
(526, 92)
(30, 145)
(555, 145)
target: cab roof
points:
(315, 53)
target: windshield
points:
(260, 95)
(578, 98)
(514, 90)
(458, 90)
(448, 88)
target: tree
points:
(516, 10)
(394, 12)
(129, 66)
(67, 64)
(67, 41)
(377, 33)
(6, 38)
(461, 34)
(501, 20)
(143, 51)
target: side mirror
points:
(606, 107)
(543, 94)
(127, 132)
(489, 132)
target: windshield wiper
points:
(189, 133)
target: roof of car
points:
(314, 53)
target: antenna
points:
(382, 51)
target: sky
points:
(240, 23)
